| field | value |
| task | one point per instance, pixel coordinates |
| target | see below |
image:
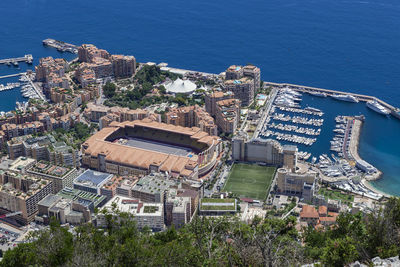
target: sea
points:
(343, 44)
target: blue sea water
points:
(342, 44)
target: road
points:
(265, 112)
(224, 172)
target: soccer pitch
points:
(250, 180)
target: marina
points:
(28, 88)
(339, 95)
(9, 86)
(328, 136)
(286, 121)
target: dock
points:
(12, 75)
(61, 46)
(27, 58)
(35, 87)
(306, 89)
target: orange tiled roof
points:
(309, 212)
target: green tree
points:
(339, 252)
(109, 89)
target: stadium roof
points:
(143, 158)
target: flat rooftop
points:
(153, 183)
(48, 168)
(218, 204)
(134, 206)
(83, 197)
(20, 163)
(92, 178)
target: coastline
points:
(354, 143)
(368, 185)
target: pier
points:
(306, 89)
(27, 58)
(35, 87)
(61, 46)
(12, 75)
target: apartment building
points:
(228, 115)
(243, 89)
(192, 116)
(123, 66)
(103, 64)
(243, 82)
(60, 176)
(43, 148)
(299, 183)
(212, 97)
(21, 193)
(237, 72)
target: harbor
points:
(286, 121)
(28, 88)
(335, 146)
(319, 92)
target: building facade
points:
(21, 193)
(228, 115)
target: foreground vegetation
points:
(214, 242)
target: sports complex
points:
(141, 146)
(250, 180)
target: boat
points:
(348, 98)
(15, 63)
(320, 94)
(313, 109)
(375, 106)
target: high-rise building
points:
(243, 89)
(123, 66)
(212, 97)
(228, 115)
(60, 176)
(238, 80)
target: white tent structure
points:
(180, 86)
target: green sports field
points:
(250, 180)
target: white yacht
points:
(313, 109)
(320, 94)
(348, 98)
(375, 106)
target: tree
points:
(109, 89)
(339, 252)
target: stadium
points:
(142, 146)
